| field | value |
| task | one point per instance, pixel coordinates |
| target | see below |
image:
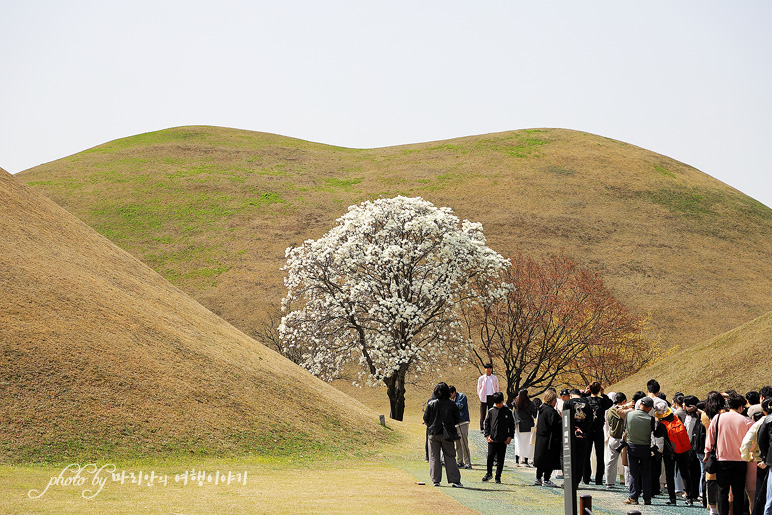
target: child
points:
(499, 429)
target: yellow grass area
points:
(371, 485)
(102, 358)
(734, 360)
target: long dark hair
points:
(714, 404)
(522, 400)
(442, 391)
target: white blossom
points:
(382, 285)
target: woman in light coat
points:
(524, 411)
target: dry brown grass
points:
(100, 357)
(734, 360)
(213, 209)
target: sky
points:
(690, 79)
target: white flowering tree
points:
(382, 286)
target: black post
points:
(568, 480)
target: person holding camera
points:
(615, 416)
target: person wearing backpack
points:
(697, 431)
(676, 451)
(615, 416)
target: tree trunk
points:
(511, 394)
(395, 389)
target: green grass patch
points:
(279, 441)
(449, 148)
(64, 184)
(189, 135)
(276, 171)
(146, 218)
(192, 172)
(519, 145)
(445, 177)
(114, 176)
(206, 273)
(265, 198)
(662, 170)
(754, 209)
(690, 202)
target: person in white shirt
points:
(564, 396)
(487, 385)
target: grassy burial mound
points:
(733, 360)
(103, 358)
(213, 209)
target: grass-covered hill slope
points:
(735, 360)
(213, 209)
(100, 357)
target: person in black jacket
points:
(549, 436)
(524, 411)
(762, 464)
(599, 402)
(580, 419)
(697, 433)
(499, 429)
(764, 439)
(441, 417)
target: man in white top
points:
(564, 396)
(487, 385)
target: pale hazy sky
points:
(688, 79)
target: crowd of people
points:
(714, 452)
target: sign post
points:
(569, 491)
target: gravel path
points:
(517, 494)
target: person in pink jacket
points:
(725, 434)
(487, 385)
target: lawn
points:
(378, 484)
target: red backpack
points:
(679, 437)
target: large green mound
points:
(213, 209)
(100, 357)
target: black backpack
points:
(698, 436)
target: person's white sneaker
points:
(549, 484)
